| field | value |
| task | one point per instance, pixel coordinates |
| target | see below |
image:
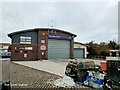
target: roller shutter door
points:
(78, 53)
(58, 49)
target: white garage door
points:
(58, 49)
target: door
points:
(78, 53)
(58, 49)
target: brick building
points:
(42, 43)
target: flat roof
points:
(4, 44)
(114, 50)
(80, 43)
(37, 29)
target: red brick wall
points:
(42, 37)
(72, 48)
(19, 54)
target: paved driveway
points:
(46, 65)
(52, 66)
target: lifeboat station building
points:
(42, 43)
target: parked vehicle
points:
(5, 54)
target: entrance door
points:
(58, 49)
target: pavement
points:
(46, 65)
(51, 66)
(0, 74)
(24, 78)
(0, 70)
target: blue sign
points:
(21, 48)
(61, 37)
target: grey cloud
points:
(87, 20)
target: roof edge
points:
(35, 29)
(80, 43)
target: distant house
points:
(4, 47)
(80, 50)
(114, 55)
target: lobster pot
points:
(89, 64)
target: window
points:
(25, 40)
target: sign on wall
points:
(28, 48)
(59, 37)
(42, 47)
(25, 55)
(42, 41)
(25, 48)
(21, 48)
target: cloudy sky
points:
(91, 21)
